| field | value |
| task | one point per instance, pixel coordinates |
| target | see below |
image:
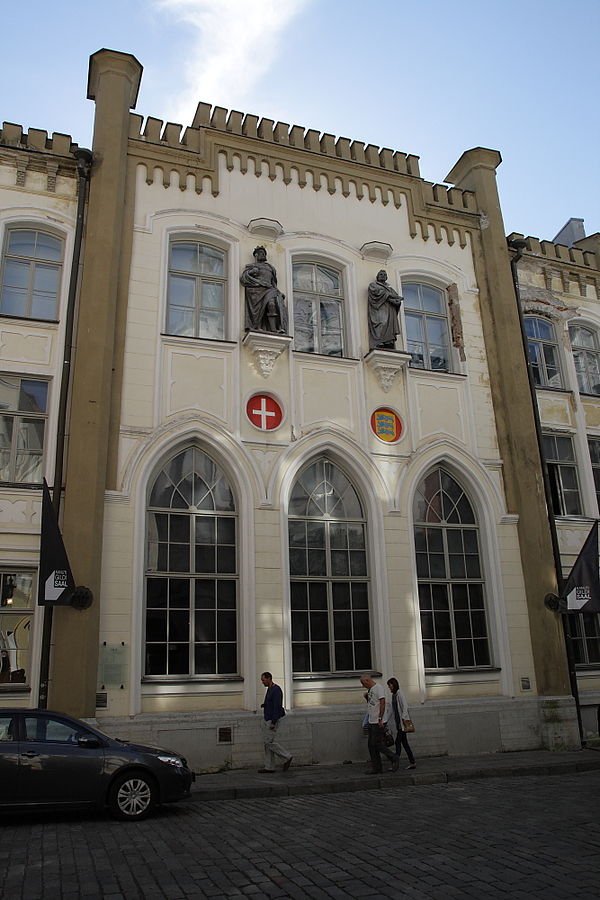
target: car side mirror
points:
(87, 740)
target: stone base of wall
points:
(221, 740)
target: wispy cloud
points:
(235, 42)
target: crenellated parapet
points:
(34, 151)
(573, 268)
(302, 156)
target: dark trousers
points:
(402, 741)
(376, 746)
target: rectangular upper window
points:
(196, 290)
(562, 471)
(31, 274)
(23, 413)
(427, 332)
(318, 309)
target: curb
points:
(372, 782)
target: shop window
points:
(329, 581)
(586, 353)
(23, 413)
(543, 352)
(318, 309)
(196, 290)
(16, 610)
(191, 571)
(450, 578)
(562, 471)
(426, 323)
(31, 274)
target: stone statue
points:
(384, 304)
(265, 304)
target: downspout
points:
(84, 166)
(518, 245)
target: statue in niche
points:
(384, 304)
(265, 304)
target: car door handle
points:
(30, 753)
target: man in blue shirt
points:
(273, 713)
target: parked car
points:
(51, 759)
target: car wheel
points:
(132, 796)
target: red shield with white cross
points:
(264, 412)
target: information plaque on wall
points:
(112, 666)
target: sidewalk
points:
(298, 780)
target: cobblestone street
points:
(510, 837)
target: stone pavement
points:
(304, 780)
(482, 839)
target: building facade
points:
(243, 494)
(559, 287)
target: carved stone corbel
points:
(386, 364)
(266, 349)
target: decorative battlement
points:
(12, 135)
(293, 152)
(233, 122)
(558, 252)
(34, 151)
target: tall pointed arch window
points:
(329, 574)
(451, 585)
(191, 570)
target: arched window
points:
(328, 571)
(191, 570)
(318, 309)
(451, 585)
(586, 353)
(543, 352)
(31, 273)
(427, 333)
(196, 290)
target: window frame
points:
(537, 348)
(200, 278)
(38, 228)
(555, 466)
(585, 633)
(193, 576)
(579, 352)
(18, 417)
(26, 613)
(329, 579)
(423, 314)
(341, 300)
(449, 582)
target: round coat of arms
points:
(386, 425)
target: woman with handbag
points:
(401, 717)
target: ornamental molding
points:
(386, 364)
(377, 250)
(269, 228)
(266, 349)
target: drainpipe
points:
(84, 166)
(518, 245)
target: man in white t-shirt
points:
(378, 716)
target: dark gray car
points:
(51, 759)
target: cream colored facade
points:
(142, 395)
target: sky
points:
(428, 77)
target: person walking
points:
(399, 713)
(273, 713)
(378, 715)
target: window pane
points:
(184, 257)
